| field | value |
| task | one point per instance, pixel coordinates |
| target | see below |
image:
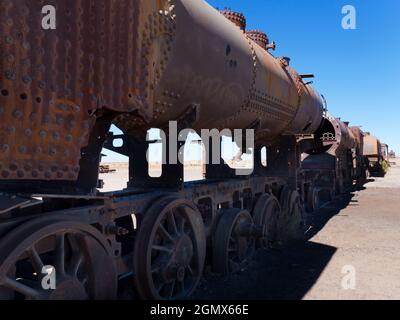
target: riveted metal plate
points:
(52, 82)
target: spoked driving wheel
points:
(293, 222)
(234, 243)
(266, 214)
(48, 259)
(169, 250)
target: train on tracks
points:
(138, 64)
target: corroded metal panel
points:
(149, 60)
(236, 17)
(372, 146)
(337, 136)
(235, 83)
(258, 37)
(52, 82)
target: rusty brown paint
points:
(258, 37)
(52, 82)
(236, 17)
(144, 59)
(235, 82)
(372, 147)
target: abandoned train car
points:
(139, 64)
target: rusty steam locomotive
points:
(139, 64)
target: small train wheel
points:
(233, 245)
(293, 222)
(266, 214)
(78, 254)
(169, 250)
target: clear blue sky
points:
(358, 71)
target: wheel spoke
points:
(157, 264)
(21, 288)
(77, 258)
(172, 222)
(155, 269)
(233, 266)
(37, 262)
(170, 289)
(76, 263)
(165, 233)
(160, 286)
(181, 286)
(182, 223)
(60, 253)
(85, 281)
(162, 249)
(189, 268)
(186, 211)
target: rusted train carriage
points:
(138, 64)
(335, 166)
(375, 153)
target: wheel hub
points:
(180, 274)
(183, 251)
(179, 260)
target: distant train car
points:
(360, 163)
(372, 151)
(334, 162)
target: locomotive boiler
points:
(139, 64)
(163, 61)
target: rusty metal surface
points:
(358, 135)
(215, 76)
(53, 81)
(236, 83)
(236, 17)
(336, 136)
(372, 146)
(258, 37)
(144, 59)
